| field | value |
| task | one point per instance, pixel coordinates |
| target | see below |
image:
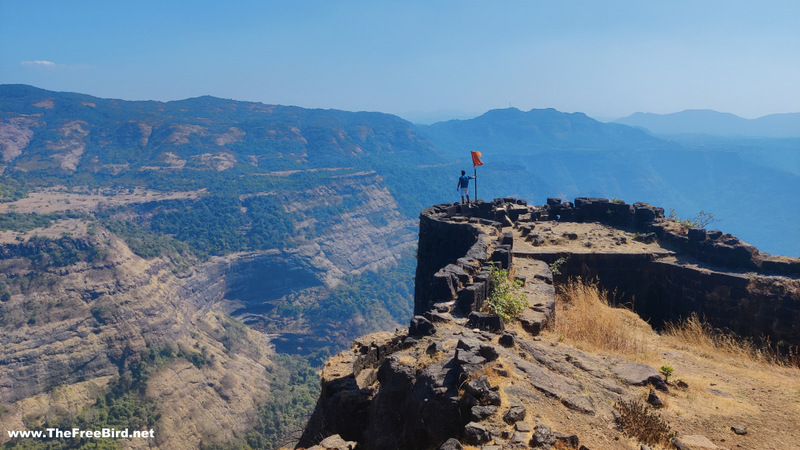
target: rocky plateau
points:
(462, 378)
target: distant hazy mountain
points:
(537, 130)
(546, 153)
(708, 122)
(441, 115)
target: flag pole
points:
(475, 168)
(476, 161)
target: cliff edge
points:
(459, 376)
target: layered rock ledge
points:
(459, 376)
(664, 270)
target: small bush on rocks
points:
(505, 300)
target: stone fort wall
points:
(727, 282)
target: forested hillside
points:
(174, 264)
(298, 225)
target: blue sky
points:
(417, 59)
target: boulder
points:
(420, 326)
(478, 387)
(506, 340)
(451, 444)
(567, 440)
(697, 234)
(532, 321)
(542, 436)
(480, 412)
(654, 399)
(471, 298)
(485, 321)
(639, 375)
(476, 434)
(502, 256)
(514, 414)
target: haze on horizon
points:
(423, 61)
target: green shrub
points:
(666, 371)
(701, 220)
(555, 267)
(505, 300)
(144, 243)
(196, 358)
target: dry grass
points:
(585, 319)
(730, 381)
(494, 377)
(698, 336)
(644, 424)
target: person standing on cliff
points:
(463, 185)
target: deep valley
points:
(190, 266)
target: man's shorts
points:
(463, 192)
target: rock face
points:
(467, 386)
(355, 241)
(70, 326)
(73, 326)
(44, 353)
(452, 379)
(701, 274)
(441, 245)
(93, 319)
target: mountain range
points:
(537, 130)
(713, 123)
(546, 153)
(148, 247)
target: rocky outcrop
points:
(366, 237)
(714, 275)
(68, 330)
(393, 391)
(456, 377)
(15, 134)
(456, 242)
(707, 246)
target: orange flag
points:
(476, 159)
